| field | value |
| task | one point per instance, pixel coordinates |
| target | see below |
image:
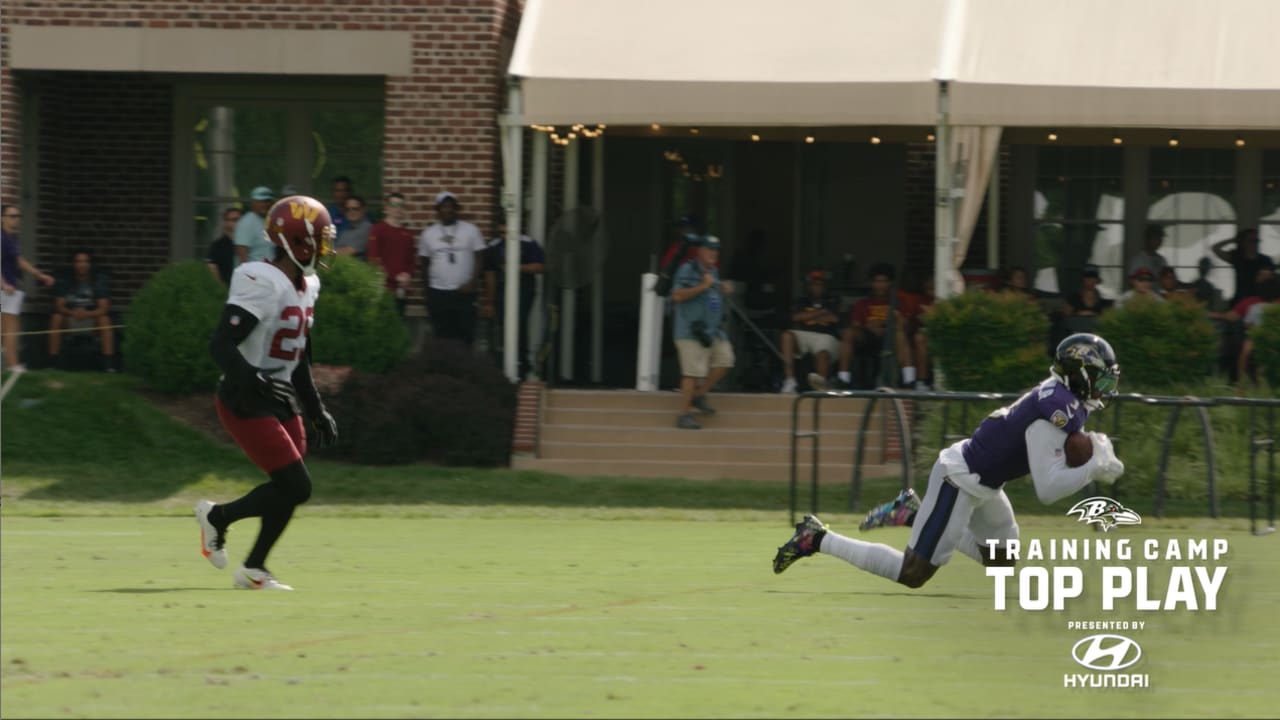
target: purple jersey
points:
(997, 450)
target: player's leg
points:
(939, 525)
(788, 361)
(57, 321)
(992, 519)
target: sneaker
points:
(703, 406)
(897, 512)
(803, 543)
(819, 383)
(257, 579)
(686, 422)
(212, 541)
(788, 386)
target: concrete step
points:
(666, 417)
(615, 454)
(627, 400)
(711, 434)
(829, 474)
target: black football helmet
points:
(1086, 364)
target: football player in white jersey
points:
(266, 387)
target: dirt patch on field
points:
(195, 411)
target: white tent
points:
(985, 64)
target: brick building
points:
(128, 125)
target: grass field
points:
(555, 613)
(435, 592)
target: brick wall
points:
(104, 172)
(440, 119)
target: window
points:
(1192, 192)
(1269, 225)
(1079, 217)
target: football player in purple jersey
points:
(965, 504)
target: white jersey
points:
(284, 316)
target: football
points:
(1078, 449)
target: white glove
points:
(1104, 467)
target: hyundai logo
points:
(1106, 652)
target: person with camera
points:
(701, 342)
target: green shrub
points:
(993, 342)
(1161, 346)
(168, 326)
(446, 405)
(1266, 345)
(356, 320)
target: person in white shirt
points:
(451, 255)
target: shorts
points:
(11, 303)
(957, 509)
(269, 442)
(809, 342)
(696, 360)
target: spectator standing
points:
(1149, 258)
(1268, 293)
(815, 330)
(451, 253)
(221, 258)
(1245, 259)
(353, 236)
(391, 247)
(340, 191)
(12, 264)
(532, 264)
(82, 301)
(686, 228)
(250, 236)
(705, 353)
(1206, 292)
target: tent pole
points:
(538, 229)
(568, 295)
(943, 181)
(993, 214)
(513, 198)
(597, 279)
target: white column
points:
(512, 201)
(538, 229)
(943, 181)
(649, 352)
(568, 296)
(597, 280)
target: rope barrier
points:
(64, 330)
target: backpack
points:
(666, 274)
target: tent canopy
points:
(1108, 63)
(815, 62)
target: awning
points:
(1115, 63)
(685, 62)
(1099, 63)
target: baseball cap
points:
(262, 192)
(710, 242)
(1142, 273)
(288, 190)
(445, 195)
(1091, 270)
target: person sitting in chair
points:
(815, 330)
(82, 302)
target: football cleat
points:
(899, 511)
(257, 579)
(212, 541)
(803, 543)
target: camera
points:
(699, 331)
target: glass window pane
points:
(237, 149)
(1080, 193)
(1192, 192)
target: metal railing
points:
(1259, 440)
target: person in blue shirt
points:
(705, 353)
(965, 505)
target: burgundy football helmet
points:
(302, 227)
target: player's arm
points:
(326, 427)
(1052, 478)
